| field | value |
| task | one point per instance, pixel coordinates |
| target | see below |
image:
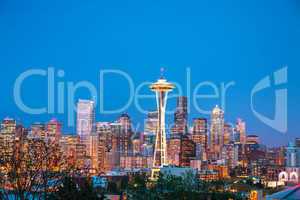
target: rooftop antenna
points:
(162, 71)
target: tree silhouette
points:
(29, 167)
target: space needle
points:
(161, 88)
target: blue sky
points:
(220, 41)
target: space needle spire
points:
(161, 88)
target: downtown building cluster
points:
(212, 147)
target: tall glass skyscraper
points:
(180, 116)
(85, 117)
(216, 131)
(240, 131)
(85, 122)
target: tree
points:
(137, 187)
(29, 167)
(75, 189)
(68, 190)
(171, 187)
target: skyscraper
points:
(38, 130)
(53, 130)
(148, 144)
(230, 154)
(8, 126)
(199, 131)
(188, 151)
(151, 122)
(85, 117)
(125, 144)
(103, 131)
(199, 137)
(180, 116)
(115, 153)
(174, 150)
(161, 88)
(149, 133)
(181, 150)
(136, 144)
(7, 136)
(240, 131)
(228, 131)
(85, 122)
(67, 144)
(216, 132)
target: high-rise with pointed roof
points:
(216, 132)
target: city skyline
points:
(133, 99)
(217, 44)
(137, 125)
(216, 127)
(111, 146)
(208, 152)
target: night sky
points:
(219, 41)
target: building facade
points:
(216, 132)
